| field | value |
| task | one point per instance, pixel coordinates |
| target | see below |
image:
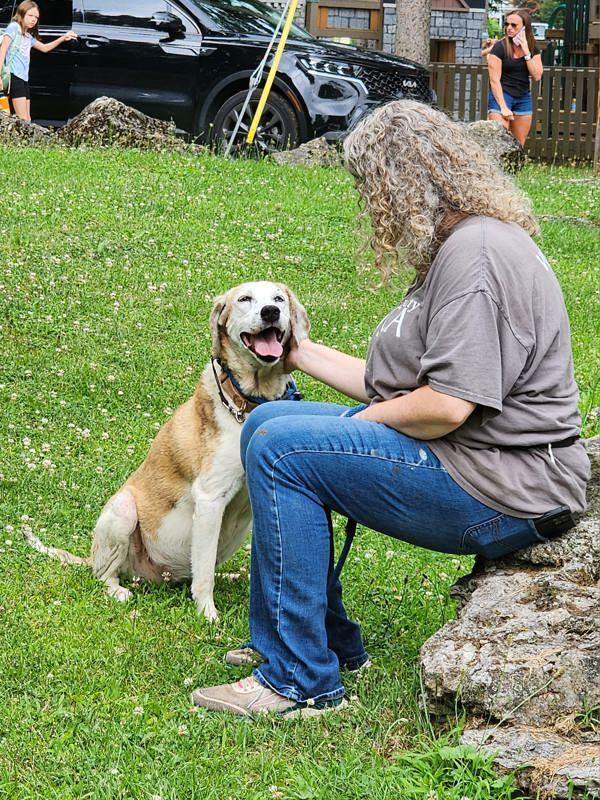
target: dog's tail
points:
(54, 552)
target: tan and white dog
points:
(186, 509)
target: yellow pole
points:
(271, 76)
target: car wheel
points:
(278, 128)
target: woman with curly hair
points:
(466, 437)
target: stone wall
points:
(299, 16)
(466, 28)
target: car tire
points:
(278, 128)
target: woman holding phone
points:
(512, 62)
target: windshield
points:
(244, 16)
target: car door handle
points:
(181, 49)
(94, 41)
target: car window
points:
(243, 16)
(56, 13)
(6, 12)
(129, 13)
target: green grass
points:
(109, 264)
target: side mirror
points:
(169, 23)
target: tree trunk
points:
(413, 18)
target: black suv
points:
(191, 60)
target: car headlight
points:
(339, 68)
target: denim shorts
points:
(520, 106)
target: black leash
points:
(350, 533)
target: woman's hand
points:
(507, 113)
(291, 360)
(487, 46)
(69, 36)
(338, 370)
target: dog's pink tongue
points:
(266, 344)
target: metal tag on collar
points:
(235, 412)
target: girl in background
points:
(15, 49)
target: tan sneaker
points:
(249, 698)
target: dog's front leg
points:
(206, 529)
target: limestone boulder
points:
(546, 764)
(498, 143)
(316, 153)
(16, 131)
(108, 122)
(524, 651)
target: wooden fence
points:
(565, 106)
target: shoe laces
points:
(246, 685)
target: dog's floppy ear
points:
(218, 318)
(298, 317)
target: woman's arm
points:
(338, 370)
(422, 414)
(495, 72)
(487, 46)
(535, 66)
(46, 48)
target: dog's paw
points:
(207, 608)
(120, 593)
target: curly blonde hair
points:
(416, 169)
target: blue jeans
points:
(301, 458)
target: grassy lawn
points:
(109, 264)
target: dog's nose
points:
(269, 313)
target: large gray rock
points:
(316, 153)
(16, 131)
(498, 143)
(525, 648)
(108, 122)
(547, 764)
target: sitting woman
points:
(467, 429)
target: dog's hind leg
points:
(112, 538)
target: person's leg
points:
(20, 107)
(521, 124)
(285, 408)
(520, 127)
(344, 635)
(297, 466)
(19, 97)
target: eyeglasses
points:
(511, 24)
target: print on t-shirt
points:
(397, 317)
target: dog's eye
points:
(279, 299)
(244, 298)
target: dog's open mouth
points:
(266, 344)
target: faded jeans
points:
(301, 458)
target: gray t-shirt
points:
(489, 325)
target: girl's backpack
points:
(6, 67)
